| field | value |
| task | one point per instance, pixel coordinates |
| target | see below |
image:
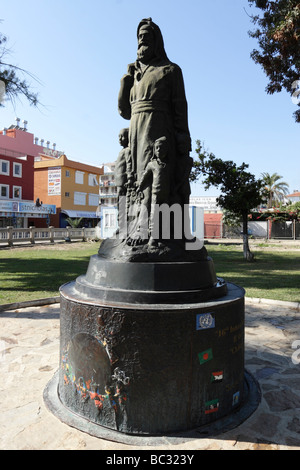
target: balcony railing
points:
(104, 195)
(106, 183)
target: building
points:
(17, 138)
(213, 215)
(208, 203)
(294, 197)
(73, 187)
(18, 150)
(108, 189)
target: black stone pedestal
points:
(155, 366)
(152, 370)
(151, 349)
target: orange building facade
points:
(73, 187)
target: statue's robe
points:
(154, 100)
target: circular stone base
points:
(151, 369)
(150, 283)
(252, 398)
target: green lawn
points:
(38, 272)
(275, 273)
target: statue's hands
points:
(129, 183)
(131, 70)
(127, 81)
(124, 96)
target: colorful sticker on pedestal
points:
(217, 376)
(205, 356)
(212, 406)
(236, 398)
(204, 321)
(87, 367)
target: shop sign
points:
(54, 181)
(27, 207)
(32, 208)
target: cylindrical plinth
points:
(151, 369)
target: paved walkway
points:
(29, 356)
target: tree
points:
(12, 85)
(278, 36)
(74, 223)
(240, 191)
(275, 190)
(231, 219)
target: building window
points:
(17, 192)
(93, 199)
(79, 177)
(93, 180)
(67, 194)
(79, 198)
(109, 220)
(17, 170)
(68, 173)
(4, 191)
(4, 167)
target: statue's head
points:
(150, 41)
(123, 137)
(160, 148)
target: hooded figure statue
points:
(152, 96)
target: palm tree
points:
(276, 190)
(74, 223)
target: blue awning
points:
(79, 214)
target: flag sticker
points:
(212, 406)
(204, 321)
(217, 376)
(205, 356)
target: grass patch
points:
(274, 274)
(38, 272)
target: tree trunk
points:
(247, 253)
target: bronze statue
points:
(152, 97)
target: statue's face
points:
(123, 139)
(160, 149)
(145, 44)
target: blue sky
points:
(79, 51)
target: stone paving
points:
(29, 356)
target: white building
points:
(208, 203)
(294, 197)
(107, 186)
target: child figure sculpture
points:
(123, 178)
(156, 170)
